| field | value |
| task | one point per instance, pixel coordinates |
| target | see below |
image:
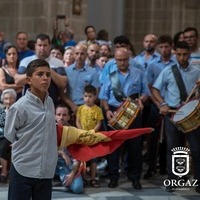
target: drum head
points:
(185, 110)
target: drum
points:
(187, 118)
(124, 115)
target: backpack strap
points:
(179, 82)
(116, 86)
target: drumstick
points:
(191, 93)
(174, 111)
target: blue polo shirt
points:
(132, 82)
(111, 66)
(78, 79)
(140, 58)
(166, 82)
(156, 67)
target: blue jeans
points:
(25, 188)
(176, 138)
(62, 170)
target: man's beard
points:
(149, 49)
(43, 56)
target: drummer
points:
(172, 99)
(124, 81)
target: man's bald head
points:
(150, 42)
(122, 56)
(122, 50)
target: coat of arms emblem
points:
(180, 161)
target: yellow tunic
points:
(89, 116)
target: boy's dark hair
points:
(90, 89)
(43, 36)
(122, 39)
(165, 39)
(33, 65)
(182, 45)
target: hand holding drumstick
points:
(197, 86)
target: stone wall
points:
(134, 18)
(159, 17)
(36, 16)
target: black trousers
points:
(133, 155)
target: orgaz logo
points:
(180, 161)
(180, 168)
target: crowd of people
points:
(88, 81)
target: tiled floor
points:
(153, 189)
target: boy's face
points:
(40, 81)
(89, 98)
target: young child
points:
(30, 127)
(89, 116)
(68, 169)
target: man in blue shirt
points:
(145, 58)
(191, 36)
(131, 83)
(79, 75)
(149, 54)
(92, 55)
(119, 41)
(166, 59)
(166, 92)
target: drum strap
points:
(116, 86)
(180, 83)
